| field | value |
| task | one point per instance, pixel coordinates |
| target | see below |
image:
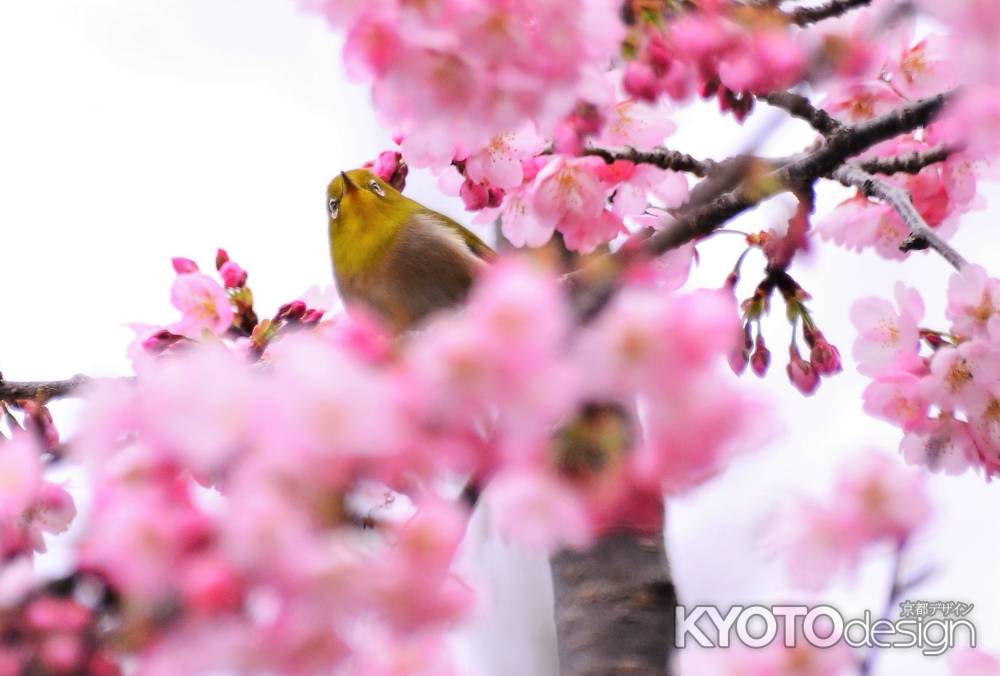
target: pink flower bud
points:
(233, 276)
(183, 266)
(210, 585)
(658, 54)
(48, 613)
(475, 196)
(738, 360)
(160, 341)
(801, 373)
(390, 167)
(640, 81)
(825, 357)
(761, 357)
(221, 258)
(291, 311)
(312, 316)
(61, 653)
(495, 198)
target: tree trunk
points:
(614, 606)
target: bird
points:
(396, 257)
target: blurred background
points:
(132, 131)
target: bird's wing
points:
(476, 246)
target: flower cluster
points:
(29, 504)
(287, 493)
(727, 49)
(876, 500)
(450, 75)
(975, 31)
(947, 402)
(804, 374)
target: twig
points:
(661, 157)
(42, 390)
(911, 163)
(921, 235)
(801, 107)
(841, 145)
(803, 16)
(743, 189)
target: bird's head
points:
(365, 214)
(359, 200)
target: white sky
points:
(135, 130)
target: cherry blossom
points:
(203, 304)
(887, 337)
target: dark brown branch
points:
(614, 606)
(910, 163)
(801, 107)
(803, 16)
(743, 190)
(41, 390)
(661, 157)
(843, 144)
(922, 235)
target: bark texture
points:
(614, 606)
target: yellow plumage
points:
(394, 255)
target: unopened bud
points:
(221, 258)
(312, 316)
(233, 276)
(801, 373)
(475, 196)
(640, 81)
(825, 357)
(291, 311)
(761, 357)
(183, 266)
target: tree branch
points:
(803, 16)
(801, 107)
(735, 187)
(661, 157)
(911, 163)
(42, 390)
(921, 235)
(803, 170)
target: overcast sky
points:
(136, 130)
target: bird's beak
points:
(348, 183)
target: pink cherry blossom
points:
(951, 382)
(943, 445)
(538, 510)
(772, 60)
(203, 304)
(636, 124)
(881, 498)
(887, 337)
(521, 225)
(875, 499)
(20, 476)
(499, 163)
(818, 544)
(923, 69)
(897, 398)
(974, 302)
(984, 424)
(569, 193)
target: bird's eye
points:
(334, 207)
(376, 188)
